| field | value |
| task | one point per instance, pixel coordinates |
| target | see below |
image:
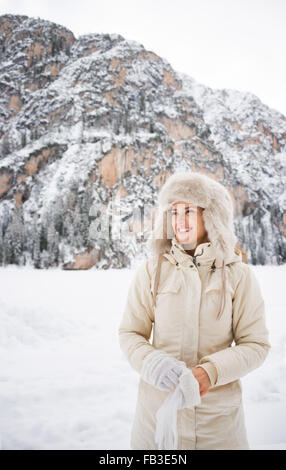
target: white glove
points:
(161, 370)
(167, 373)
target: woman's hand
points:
(202, 377)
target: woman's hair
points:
(238, 250)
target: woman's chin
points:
(184, 237)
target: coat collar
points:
(204, 255)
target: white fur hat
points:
(203, 191)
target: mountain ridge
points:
(88, 120)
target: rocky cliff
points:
(89, 120)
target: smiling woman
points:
(190, 393)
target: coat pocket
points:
(167, 320)
(212, 299)
(171, 284)
(224, 397)
(216, 285)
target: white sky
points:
(238, 44)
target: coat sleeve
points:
(250, 333)
(211, 370)
(136, 323)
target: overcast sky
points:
(238, 44)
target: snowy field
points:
(64, 382)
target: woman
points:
(200, 298)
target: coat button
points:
(199, 264)
(191, 266)
(177, 264)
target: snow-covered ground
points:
(64, 382)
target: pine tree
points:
(17, 231)
(52, 243)
(36, 251)
(8, 247)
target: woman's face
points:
(188, 224)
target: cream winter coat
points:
(185, 325)
(190, 321)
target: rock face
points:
(99, 121)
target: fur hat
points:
(203, 191)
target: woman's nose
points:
(182, 221)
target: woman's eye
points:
(187, 211)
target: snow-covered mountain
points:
(96, 119)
